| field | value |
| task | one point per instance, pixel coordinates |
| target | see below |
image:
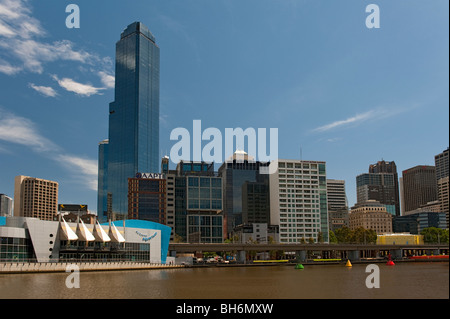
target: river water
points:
(403, 281)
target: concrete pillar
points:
(241, 256)
(353, 255)
(396, 253)
(300, 255)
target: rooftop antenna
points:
(301, 153)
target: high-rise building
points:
(418, 187)
(298, 201)
(204, 223)
(380, 184)
(194, 202)
(134, 114)
(6, 205)
(337, 204)
(443, 194)
(442, 180)
(442, 164)
(147, 198)
(336, 196)
(102, 195)
(35, 197)
(237, 170)
(255, 203)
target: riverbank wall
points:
(24, 267)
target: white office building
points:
(298, 201)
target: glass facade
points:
(234, 175)
(102, 206)
(16, 249)
(255, 203)
(204, 193)
(205, 229)
(104, 252)
(381, 187)
(134, 114)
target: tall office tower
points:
(443, 194)
(442, 180)
(6, 205)
(102, 195)
(147, 198)
(336, 196)
(235, 171)
(35, 197)
(134, 114)
(337, 204)
(380, 184)
(298, 201)
(255, 203)
(442, 164)
(194, 202)
(418, 187)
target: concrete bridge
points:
(353, 252)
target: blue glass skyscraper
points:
(134, 114)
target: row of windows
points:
(204, 193)
(298, 165)
(204, 181)
(205, 204)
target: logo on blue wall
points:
(145, 237)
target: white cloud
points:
(19, 130)
(8, 69)
(87, 167)
(108, 80)
(24, 50)
(351, 120)
(44, 90)
(76, 87)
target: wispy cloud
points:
(371, 115)
(76, 87)
(44, 90)
(351, 120)
(24, 49)
(22, 131)
(87, 167)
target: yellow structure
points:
(399, 239)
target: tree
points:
(343, 235)
(433, 235)
(333, 239)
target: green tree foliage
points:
(433, 235)
(333, 239)
(357, 236)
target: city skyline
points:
(337, 91)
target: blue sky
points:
(341, 92)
